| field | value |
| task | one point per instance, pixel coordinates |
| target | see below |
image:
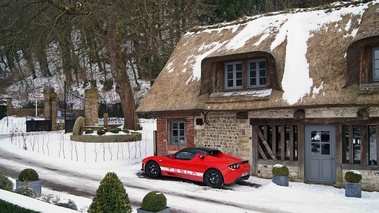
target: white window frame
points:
(257, 73)
(235, 79)
(180, 138)
(375, 64)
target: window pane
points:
(376, 53)
(315, 148)
(229, 68)
(230, 83)
(315, 135)
(239, 83)
(262, 65)
(253, 81)
(262, 81)
(239, 75)
(325, 149)
(325, 136)
(239, 67)
(178, 133)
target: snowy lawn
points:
(83, 165)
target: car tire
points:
(152, 169)
(213, 178)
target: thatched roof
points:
(308, 49)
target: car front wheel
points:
(213, 178)
(152, 169)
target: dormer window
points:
(245, 74)
(251, 72)
(375, 64)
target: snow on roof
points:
(296, 28)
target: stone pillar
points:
(9, 107)
(50, 108)
(91, 106)
(53, 99)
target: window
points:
(233, 73)
(184, 155)
(375, 64)
(277, 142)
(246, 74)
(178, 137)
(257, 73)
(354, 143)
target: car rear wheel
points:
(213, 178)
(152, 169)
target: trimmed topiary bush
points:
(5, 183)
(110, 196)
(115, 130)
(88, 131)
(353, 176)
(280, 170)
(100, 132)
(126, 130)
(28, 175)
(154, 201)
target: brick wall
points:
(163, 130)
(226, 133)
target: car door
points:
(181, 165)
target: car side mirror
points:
(202, 157)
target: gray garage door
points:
(320, 143)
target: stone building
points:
(299, 89)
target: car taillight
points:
(234, 166)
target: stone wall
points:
(265, 170)
(370, 179)
(223, 131)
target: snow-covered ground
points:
(83, 165)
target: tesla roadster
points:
(210, 166)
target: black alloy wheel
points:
(152, 169)
(213, 178)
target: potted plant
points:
(28, 179)
(353, 186)
(154, 202)
(280, 175)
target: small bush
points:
(5, 183)
(88, 131)
(280, 170)
(26, 191)
(115, 130)
(126, 130)
(27, 175)
(154, 201)
(70, 205)
(100, 132)
(110, 196)
(353, 176)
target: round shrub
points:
(5, 183)
(115, 130)
(100, 132)
(280, 170)
(353, 176)
(126, 130)
(88, 131)
(27, 175)
(154, 201)
(110, 196)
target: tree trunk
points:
(118, 68)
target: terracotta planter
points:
(353, 190)
(280, 180)
(166, 210)
(34, 185)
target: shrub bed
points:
(9, 207)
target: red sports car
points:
(210, 166)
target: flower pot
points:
(166, 210)
(280, 180)
(353, 190)
(35, 185)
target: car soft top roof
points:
(201, 150)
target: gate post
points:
(91, 106)
(50, 108)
